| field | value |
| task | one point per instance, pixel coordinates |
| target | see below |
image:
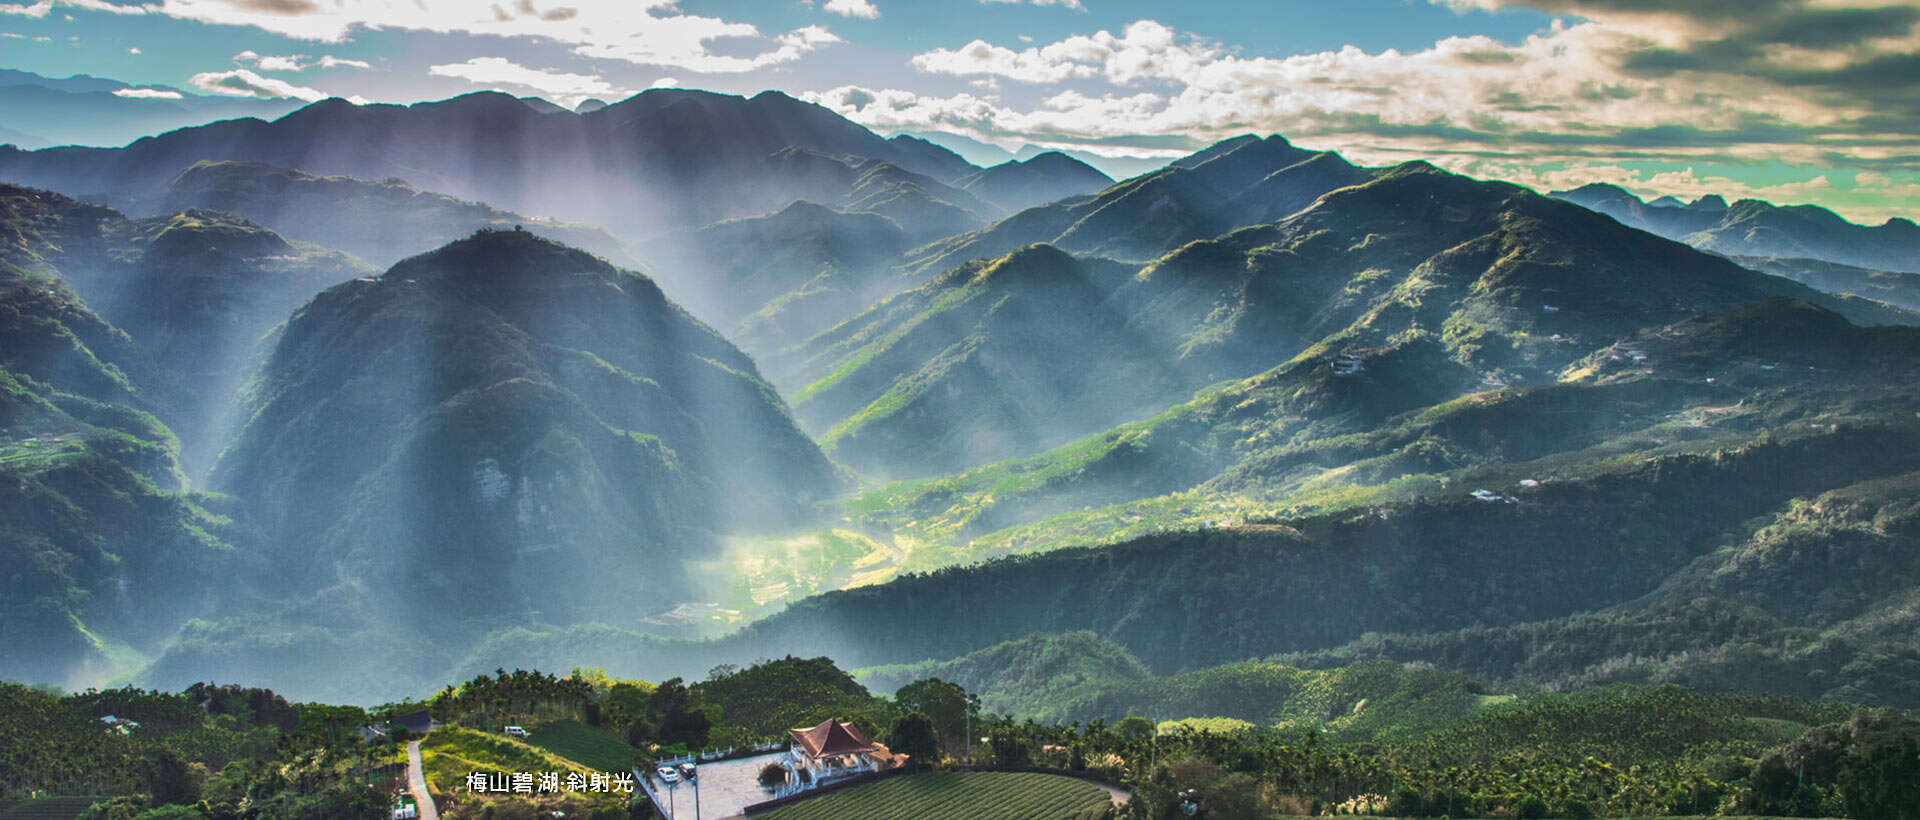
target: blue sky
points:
(1790, 100)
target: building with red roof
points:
(833, 750)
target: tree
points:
(772, 775)
(170, 779)
(947, 705)
(1135, 729)
(1233, 797)
(1880, 777)
(1010, 749)
(625, 701)
(913, 735)
(676, 714)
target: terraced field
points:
(958, 796)
(47, 808)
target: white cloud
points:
(1072, 4)
(43, 7)
(241, 82)
(863, 9)
(39, 9)
(1144, 49)
(1562, 90)
(148, 93)
(666, 82)
(134, 50)
(1568, 94)
(294, 62)
(567, 88)
(646, 32)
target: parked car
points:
(686, 770)
(517, 731)
(668, 775)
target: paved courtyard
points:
(724, 789)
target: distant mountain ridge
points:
(1020, 184)
(663, 158)
(381, 222)
(83, 110)
(1124, 166)
(1752, 227)
(1239, 182)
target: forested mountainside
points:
(109, 550)
(529, 421)
(646, 377)
(997, 360)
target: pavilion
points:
(833, 750)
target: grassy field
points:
(585, 745)
(449, 755)
(958, 796)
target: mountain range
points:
(1752, 227)
(42, 112)
(984, 154)
(479, 383)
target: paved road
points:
(417, 783)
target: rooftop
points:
(832, 738)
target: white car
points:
(516, 731)
(668, 775)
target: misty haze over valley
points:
(1053, 410)
(644, 387)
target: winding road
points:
(417, 783)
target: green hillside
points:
(589, 424)
(1420, 284)
(1081, 677)
(106, 549)
(594, 749)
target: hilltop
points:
(529, 421)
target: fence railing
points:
(710, 755)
